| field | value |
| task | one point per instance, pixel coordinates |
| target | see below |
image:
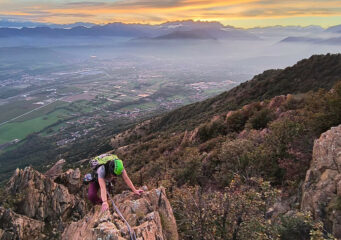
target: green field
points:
(43, 111)
(19, 130)
(142, 106)
(81, 106)
(39, 120)
(12, 110)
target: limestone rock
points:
(15, 226)
(47, 210)
(42, 198)
(321, 189)
(56, 169)
(71, 179)
(150, 216)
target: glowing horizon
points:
(239, 13)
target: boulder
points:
(15, 226)
(150, 216)
(322, 186)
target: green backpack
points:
(104, 159)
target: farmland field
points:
(19, 130)
(15, 109)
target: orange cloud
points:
(152, 11)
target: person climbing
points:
(106, 167)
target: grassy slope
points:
(319, 71)
(162, 155)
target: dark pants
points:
(92, 193)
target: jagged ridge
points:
(44, 209)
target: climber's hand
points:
(138, 192)
(105, 206)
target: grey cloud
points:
(86, 4)
(148, 3)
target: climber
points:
(106, 167)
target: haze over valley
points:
(67, 82)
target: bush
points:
(230, 214)
(212, 130)
(260, 119)
(294, 227)
(236, 157)
(190, 170)
(236, 122)
(301, 226)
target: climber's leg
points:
(92, 193)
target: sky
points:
(239, 13)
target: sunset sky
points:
(240, 13)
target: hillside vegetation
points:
(319, 71)
(226, 160)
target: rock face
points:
(150, 216)
(43, 199)
(15, 226)
(48, 210)
(71, 179)
(56, 169)
(322, 186)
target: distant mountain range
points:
(281, 32)
(171, 30)
(4, 23)
(334, 29)
(330, 40)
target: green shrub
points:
(301, 226)
(229, 214)
(236, 122)
(294, 227)
(236, 157)
(190, 170)
(211, 130)
(260, 119)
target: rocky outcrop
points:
(71, 179)
(276, 102)
(56, 169)
(322, 186)
(48, 210)
(190, 136)
(150, 216)
(43, 199)
(15, 226)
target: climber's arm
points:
(103, 188)
(130, 184)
